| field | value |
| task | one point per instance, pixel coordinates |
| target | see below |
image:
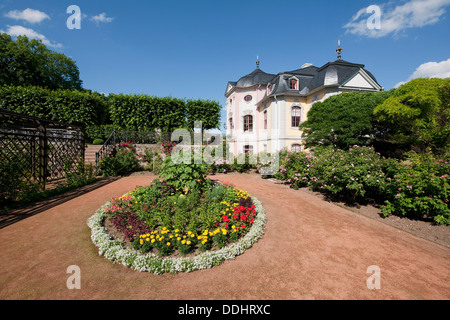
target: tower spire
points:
(257, 62)
(339, 50)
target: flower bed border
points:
(113, 249)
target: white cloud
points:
(394, 19)
(30, 33)
(29, 15)
(430, 70)
(102, 18)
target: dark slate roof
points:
(256, 77)
(310, 77)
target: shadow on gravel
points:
(21, 213)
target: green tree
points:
(206, 111)
(417, 115)
(343, 120)
(29, 62)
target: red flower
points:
(225, 219)
(242, 226)
(235, 216)
(241, 208)
(243, 217)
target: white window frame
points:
(297, 83)
(301, 112)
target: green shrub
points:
(355, 174)
(418, 188)
(294, 168)
(98, 142)
(124, 161)
(184, 173)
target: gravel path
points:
(311, 249)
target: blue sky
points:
(191, 49)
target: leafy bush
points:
(10, 179)
(80, 175)
(124, 161)
(183, 172)
(98, 142)
(355, 174)
(419, 188)
(294, 168)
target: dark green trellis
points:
(36, 151)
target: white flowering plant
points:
(135, 257)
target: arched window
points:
(296, 147)
(296, 113)
(248, 123)
(231, 125)
(248, 98)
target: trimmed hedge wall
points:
(80, 107)
(100, 115)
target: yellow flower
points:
(147, 239)
(141, 241)
(168, 243)
(188, 242)
(153, 240)
(183, 242)
(179, 238)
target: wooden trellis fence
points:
(36, 151)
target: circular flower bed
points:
(164, 229)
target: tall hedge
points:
(76, 107)
(144, 112)
(98, 113)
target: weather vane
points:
(257, 62)
(339, 50)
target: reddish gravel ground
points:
(312, 249)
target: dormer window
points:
(293, 84)
(269, 89)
